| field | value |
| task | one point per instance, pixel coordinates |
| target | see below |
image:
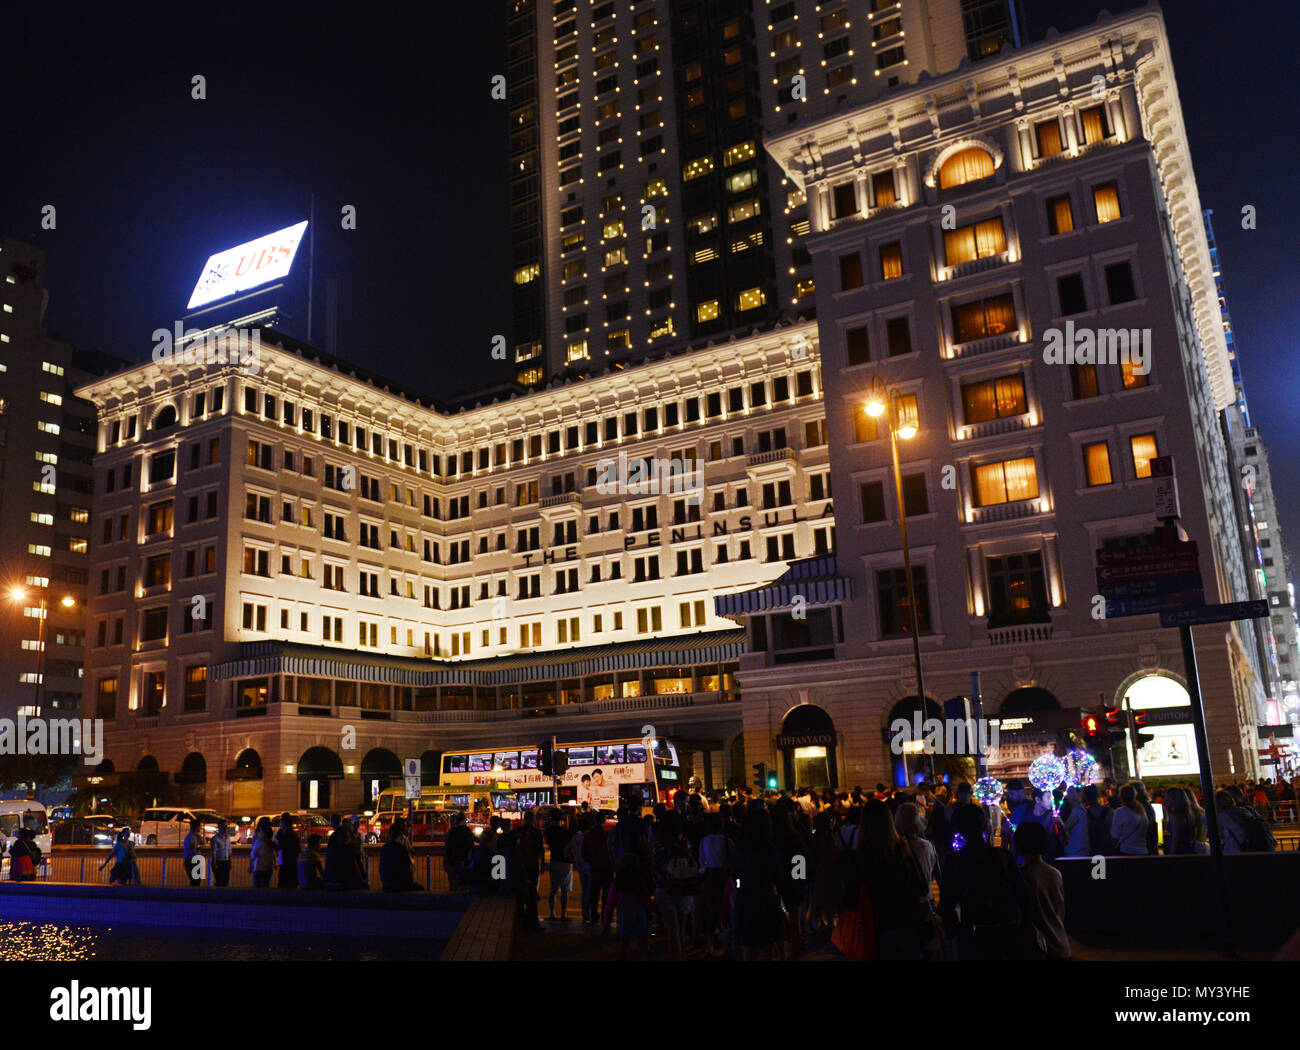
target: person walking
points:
(558, 836)
(221, 847)
(1048, 888)
(1129, 827)
(311, 871)
(261, 854)
(630, 899)
(124, 871)
(1074, 823)
(1100, 817)
(595, 854)
(456, 850)
(530, 849)
(715, 864)
(287, 846)
(192, 848)
(1184, 826)
(676, 877)
(759, 914)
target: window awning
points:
(816, 580)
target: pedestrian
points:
(758, 920)
(896, 887)
(558, 837)
(355, 866)
(122, 859)
(1048, 888)
(456, 851)
(287, 846)
(573, 853)
(630, 899)
(531, 850)
(596, 856)
(822, 871)
(1129, 827)
(311, 871)
(1074, 823)
(1153, 830)
(1184, 823)
(261, 854)
(221, 847)
(676, 877)
(794, 847)
(911, 828)
(192, 848)
(715, 864)
(396, 865)
(1100, 817)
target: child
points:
(630, 895)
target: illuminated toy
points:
(1081, 768)
(1047, 772)
(988, 791)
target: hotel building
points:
(284, 559)
(645, 215)
(1030, 197)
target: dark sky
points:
(387, 107)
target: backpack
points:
(1259, 839)
(682, 875)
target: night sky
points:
(387, 107)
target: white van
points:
(168, 825)
(24, 813)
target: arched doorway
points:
(431, 767)
(379, 769)
(148, 764)
(316, 769)
(807, 745)
(1026, 730)
(1165, 742)
(246, 782)
(192, 780)
(908, 762)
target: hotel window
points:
(1133, 379)
(872, 494)
(976, 241)
(257, 562)
(857, 345)
(1017, 590)
(259, 454)
(1096, 463)
(530, 635)
(254, 617)
(106, 698)
(891, 261)
(895, 611)
(694, 169)
(968, 165)
(1144, 450)
(916, 498)
(1083, 381)
(739, 153)
(850, 271)
(882, 188)
(993, 399)
(153, 689)
(743, 210)
(864, 425)
(1060, 216)
(160, 519)
(983, 318)
(814, 434)
(846, 199)
(1069, 290)
(750, 299)
(1048, 136)
(898, 334)
(1106, 199)
(1119, 283)
(567, 630)
(690, 562)
(647, 620)
(368, 634)
(645, 568)
(1096, 125)
(1005, 482)
(196, 687)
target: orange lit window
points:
(1096, 462)
(1144, 451)
(967, 165)
(1106, 197)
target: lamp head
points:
(907, 431)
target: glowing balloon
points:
(988, 790)
(1047, 772)
(1081, 768)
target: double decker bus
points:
(430, 814)
(602, 773)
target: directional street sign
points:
(1160, 586)
(411, 774)
(1185, 617)
(1169, 565)
(1143, 606)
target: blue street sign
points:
(1157, 603)
(1159, 586)
(1188, 615)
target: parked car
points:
(168, 825)
(97, 830)
(304, 823)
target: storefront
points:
(807, 743)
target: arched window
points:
(967, 165)
(165, 418)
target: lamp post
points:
(19, 594)
(881, 399)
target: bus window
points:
(661, 749)
(456, 764)
(480, 763)
(608, 754)
(527, 759)
(635, 753)
(506, 760)
(582, 756)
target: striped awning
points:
(259, 659)
(816, 580)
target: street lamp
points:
(880, 400)
(19, 594)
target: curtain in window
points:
(891, 262)
(1083, 381)
(864, 425)
(908, 412)
(1062, 216)
(965, 166)
(979, 402)
(1094, 124)
(1010, 395)
(999, 315)
(1022, 478)
(1096, 461)
(1144, 451)
(882, 184)
(959, 246)
(1133, 379)
(990, 485)
(968, 322)
(1049, 138)
(990, 238)
(1107, 199)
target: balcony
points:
(1020, 634)
(1024, 508)
(561, 505)
(994, 427)
(984, 346)
(772, 465)
(966, 269)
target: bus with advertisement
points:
(430, 814)
(602, 773)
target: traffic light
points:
(771, 781)
(1092, 727)
(560, 763)
(545, 759)
(760, 775)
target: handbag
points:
(854, 934)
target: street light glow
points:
(907, 431)
(875, 407)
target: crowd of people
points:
(891, 874)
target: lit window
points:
(526, 274)
(1005, 482)
(742, 180)
(662, 328)
(1096, 462)
(707, 311)
(51, 399)
(750, 299)
(615, 257)
(1106, 197)
(55, 370)
(39, 518)
(696, 168)
(1144, 451)
(804, 288)
(576, 351)
(967, 165)
(657, 188)
(739, 153)
(742, 211)
(48, 428)
(612, 229)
